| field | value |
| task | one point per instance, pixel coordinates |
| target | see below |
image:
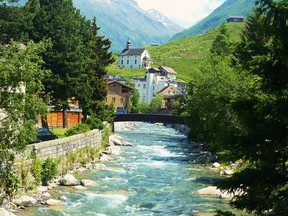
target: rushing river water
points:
(157, 176)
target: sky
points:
(183, 12)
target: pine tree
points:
(262, 111)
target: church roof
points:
(132, 51)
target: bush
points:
(49, 171)
(94, 123)
(78, 129)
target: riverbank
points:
(156, 175)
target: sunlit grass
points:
(60, 132)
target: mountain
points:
(121, 20)
(218, 16)
(157, 15)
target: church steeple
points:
(128, 45)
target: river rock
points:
(213, 191)
(88, 183)
(209, 191)
(80, 187)
(127, 144)
(41, 189)
(105, 158)
(116, 141)
(46, 195)
(4, 212)
(68, 180)
(99, 166)
(25, 201)
(216, 165)
(54, 202)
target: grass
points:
(184, 55)
(60, 132)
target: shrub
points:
(94, 123)
(78, 129)
(49, 171)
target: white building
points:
(154, 81)
(134, 58)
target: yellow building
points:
(118, 95)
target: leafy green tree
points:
(156, 104)
(221, 46)
(134, 98)
(262, 111)
(21, 76)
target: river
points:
(157, 176)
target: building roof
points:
(168, 70)
(114, 81)
(167, 87)
(241, 17)
(132, 51)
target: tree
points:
(156, 104)
(21, 76)
(134, 97)
(93, 88)
(69, 56)
(262, 111)
(221, 46)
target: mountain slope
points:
(185, 55)
(121, 20)
(218, 16)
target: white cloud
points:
(183, 12)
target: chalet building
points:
(118, 95)
(235, 19)
(169, 72)
(134, 58)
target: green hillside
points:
(218, 16)
(183, 55)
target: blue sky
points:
(183, 12)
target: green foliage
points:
(156, 104)
(49, 171)
(221, 46)
(239, 106)
(78, 129)
(94, 123)
(226, 213)
(20, 79)
(36, 170)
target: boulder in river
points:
(4, 212)
(88, 183)
(25, 201)
(68, 180)
(54, 202)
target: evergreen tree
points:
(221, 46)
(68, 57)
(262, 111)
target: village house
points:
(170, 93)
(155, 80)
(134, 58)
(118, 95)
(235, 19)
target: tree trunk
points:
(65, 118)
(44, 122)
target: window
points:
(121, 62)
(112, 91)
(144, 86)
(139, 85)
(122, 100)
(113, 99)
(127, 61)
(135, 61)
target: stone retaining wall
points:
(58, 148)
